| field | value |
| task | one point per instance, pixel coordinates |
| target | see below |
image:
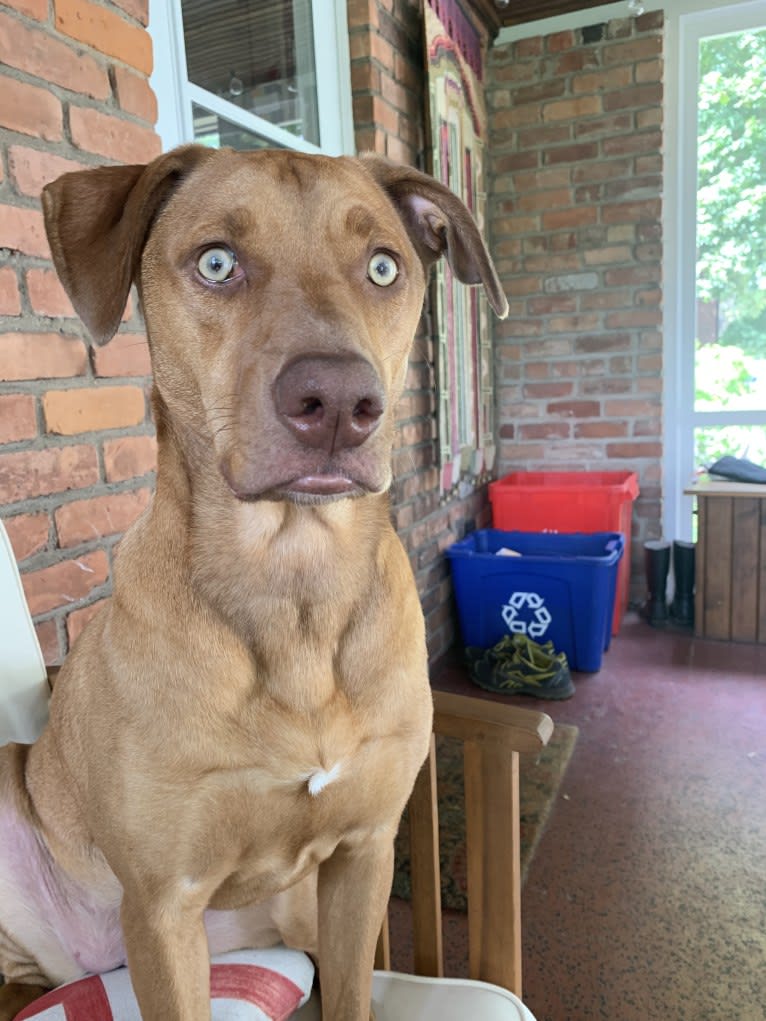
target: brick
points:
(126, 354)
(557, 42)
(571, 282)
(607, 256)
(604, 81)
(631, 275)
(46, 294)
(129, 457)
(574, 409)
(10, 299)
(562, 219)
(362, 13)
(633, 51)
(517, 117)
(539, 391)
(99, 516)
(610, 129)
(68, 412)
(134, 94)
(649, 94)
(653, 451)
(544, 134)
(575, 153)
(66, 582)
(32, 169)
(112, 137)
(531, 47)
(535, 180)
(41, 356)
(602, 342)
(633, 319)
(628, 144)
(572, 109)
(37, 9)
(632, 212)
(545, 431)
(37, 53)
(550, 89)
(105, 31)
(29, 473)
(48, 639)
(28, 534)
(604, 170)
(77, 620)
(600, 430)
(18, 420)
(30, 110)
(629, 408)
(22, 230)
(554, 198)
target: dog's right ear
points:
(97, 222)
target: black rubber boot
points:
(682, 607)
(656, 566)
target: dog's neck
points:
(272, 571)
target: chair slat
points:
(426, 876)
(493, 849)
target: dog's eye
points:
(382, 269)
(217, 264)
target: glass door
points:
(715, 248)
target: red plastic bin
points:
(570, 502)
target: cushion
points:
(245, 985)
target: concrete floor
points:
(646, 898)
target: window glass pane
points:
(257, 54)
(217, 132)
(712, 442)
(730, 364)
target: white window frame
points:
(176, 94)
(685, 32)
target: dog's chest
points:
(308, 790)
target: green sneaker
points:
(519, 666)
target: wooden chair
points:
(493, 735)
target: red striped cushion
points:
(246, 985)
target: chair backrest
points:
(24, 689)
(493, 734)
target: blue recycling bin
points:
(551, 586)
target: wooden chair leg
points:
(493, 848)
(425, 870)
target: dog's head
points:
(281, 294)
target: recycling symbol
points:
(525, 613)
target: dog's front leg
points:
(168, 954)
(354, 887)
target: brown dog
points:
(234, 737)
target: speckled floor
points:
(646, 898)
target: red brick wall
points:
(576, 140)
(76, 441)
(390, 101)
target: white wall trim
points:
(606, 12)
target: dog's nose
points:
(330, 402)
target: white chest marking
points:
(320, 778)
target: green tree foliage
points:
(731, 237)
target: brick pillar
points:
(76, 441)
(576, 137)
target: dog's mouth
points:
(324, 486)
(315, 487)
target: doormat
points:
(540, 778)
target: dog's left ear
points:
(97, 222)
(439, 224)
